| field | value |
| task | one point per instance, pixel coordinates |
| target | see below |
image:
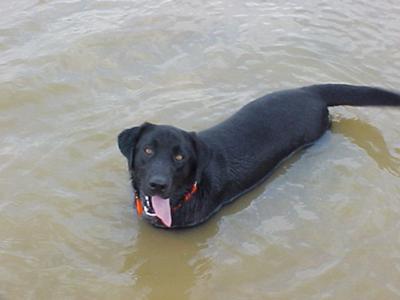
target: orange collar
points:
(186, 198)
(138, 204)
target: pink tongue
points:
(162, 209)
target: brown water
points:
(74, 74)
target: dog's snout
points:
(158, 184)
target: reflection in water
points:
(368, 137)
(165, 264)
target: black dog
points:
(180, 179)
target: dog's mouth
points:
(158, 209)
(156, 206)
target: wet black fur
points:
(234, 156)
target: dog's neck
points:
(187, 196)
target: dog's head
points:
(164, 163)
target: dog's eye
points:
(179, 157)
(148, 150)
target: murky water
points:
(74, 74)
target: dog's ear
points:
(127, 141)
(202, 156)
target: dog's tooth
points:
(146, 210)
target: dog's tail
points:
(343, 94)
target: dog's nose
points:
(158, 184)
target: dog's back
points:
(260, 135)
